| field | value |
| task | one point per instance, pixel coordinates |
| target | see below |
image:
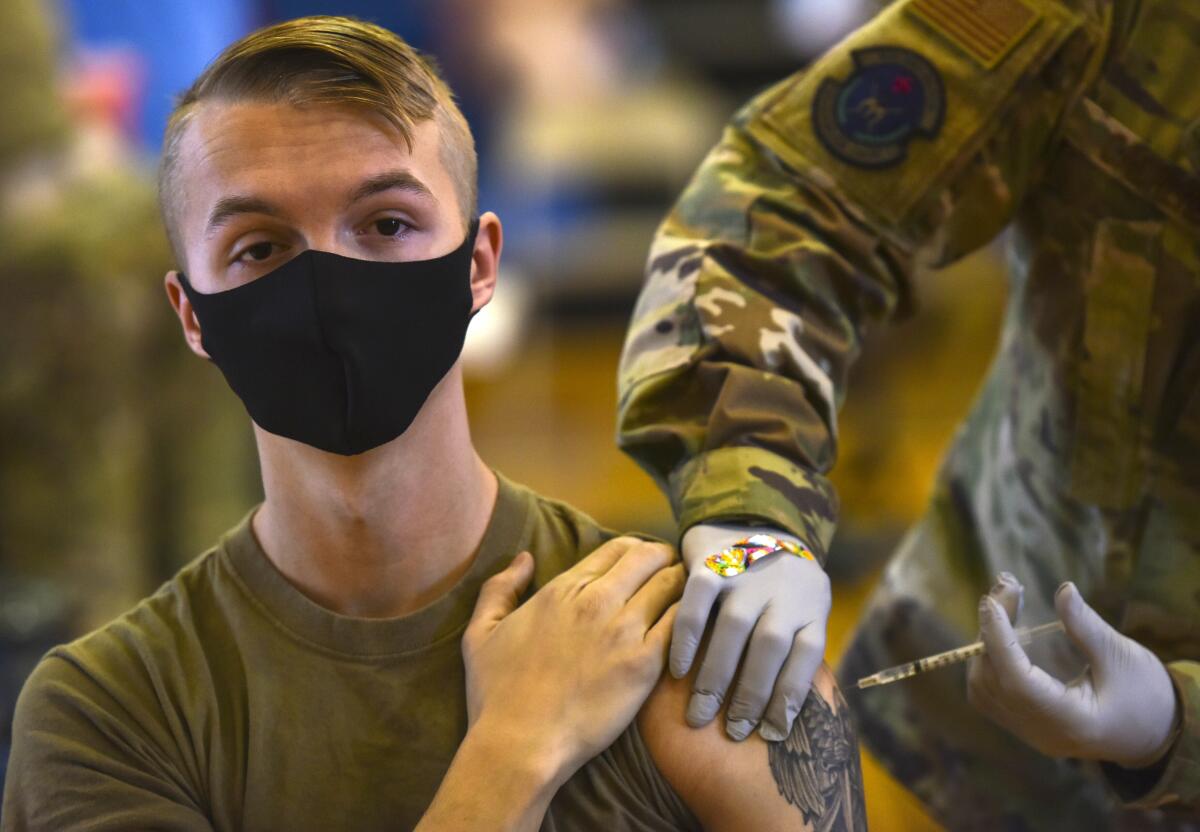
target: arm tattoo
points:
(816, 767)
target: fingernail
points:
(702, 709)
(738, 729)
(770, 733)
(1004, 581)
(1062, 586)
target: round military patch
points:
(892, 96)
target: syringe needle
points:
(958, 654)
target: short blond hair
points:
(326, 60)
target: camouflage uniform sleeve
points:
(1176, 780)
(792, 240)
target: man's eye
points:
(390, 226)
(258, 251)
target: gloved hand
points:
(1121, 709)
(780, 605)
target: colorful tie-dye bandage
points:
(739, 556)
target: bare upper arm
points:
(811, 779)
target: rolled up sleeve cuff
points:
(751, 484)
(1176, 780)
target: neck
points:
(386, 532)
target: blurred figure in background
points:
(32, 127)
(99, 453)
(590, 133)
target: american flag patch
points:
(987, 30)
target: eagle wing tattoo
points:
(817, 769)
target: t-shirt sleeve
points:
(620, 790)
(84, 760)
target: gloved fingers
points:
(1017, 681)
(983, 688)
(1084, 626)
(795, 681)
(1059, 732)
(984, 700)
(769, 647)
(1009, 593)
(981, 675)
(982, 697)
(699, 594)
(1004, 652)
(721, 657)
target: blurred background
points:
(122, 456)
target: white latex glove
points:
(780, 605)
(1121, 709)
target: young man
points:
(320, 667)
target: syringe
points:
(958, 654)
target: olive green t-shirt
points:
(229, 700)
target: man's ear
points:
(485, 261)
(187, 316)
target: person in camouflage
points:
(118, 454)
(913, 142)
(100, 496)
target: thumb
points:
(499, 595)
(1090, 633)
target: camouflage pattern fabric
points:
(1080, 459)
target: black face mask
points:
(335, 352)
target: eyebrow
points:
(231, 206)
(390, 180)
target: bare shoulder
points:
(810, 780)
